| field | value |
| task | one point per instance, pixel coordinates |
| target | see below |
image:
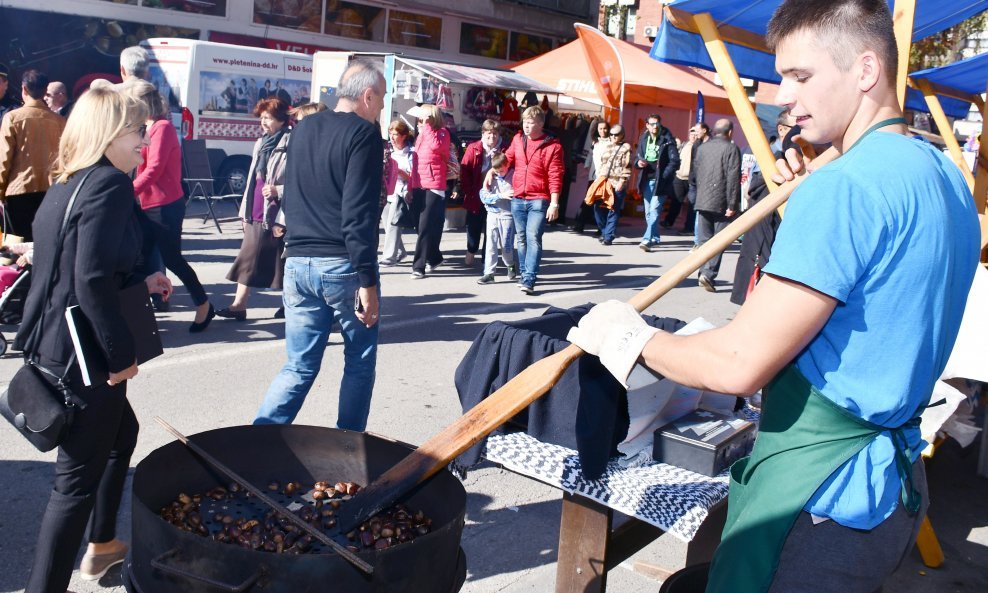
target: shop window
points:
(416, 30)
(355, 21)
(210, 7)
(478, 40)
(303, 15)
(524, 46)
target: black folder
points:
(136, 309)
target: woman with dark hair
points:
(432, 147)
(600, 131)
(259, 263)
(158, 186)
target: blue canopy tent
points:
(678, 46)
(729, 36)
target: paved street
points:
(217, 379)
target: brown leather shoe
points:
(94, 566)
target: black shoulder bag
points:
(37, 402)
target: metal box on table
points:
(704, 442)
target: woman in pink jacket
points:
(158, 186)
(432, 151)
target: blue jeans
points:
(607, 219)
(653, 208)
(529, 218)
(316, 291)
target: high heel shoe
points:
(228, 313)
(200, 326)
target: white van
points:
(215, 87)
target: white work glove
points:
(616, 333)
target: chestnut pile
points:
(212, 515)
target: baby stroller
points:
(11, 278)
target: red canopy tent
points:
(647, 81)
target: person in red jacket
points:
(432, 147)
(475, 164)
(158, 187)
(537, 159)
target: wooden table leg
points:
(583, 533)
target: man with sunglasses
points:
(657, 159)
(28, 144)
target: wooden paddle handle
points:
(537, 379)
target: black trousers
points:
(476, 224)
(680, 189)
(19, 212)
(89, 479)
(164, 226)
(431, 206)
(709, 224)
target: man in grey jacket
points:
(718, 191)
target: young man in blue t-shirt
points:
(848, 330)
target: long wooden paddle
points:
(536, 380)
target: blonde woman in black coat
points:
(101, 246)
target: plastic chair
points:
(199, 179)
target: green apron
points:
(803, 438)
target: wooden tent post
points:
(981, 181)
(903, 17)
(946, 131)
(739, 97)
(981, 160)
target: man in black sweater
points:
(333, 180)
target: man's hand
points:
(729, 213)
(158, 283)
(369, 303)
(616, 333)
(552, 213)
(794, 163)
(117, 378)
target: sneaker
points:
(386, 262)
(486, 279)
(434, 267)
(707, 284)
(527, 289)
(469, 258)
(94, 566)
(512, 272)
(646, 247)
(416, 275)
(607, 242)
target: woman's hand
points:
(128, 373)
(269, 191)
(158, 283)
(277, 230)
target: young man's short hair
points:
(498, 160)
(35, 84)
(534, 112)
(845, 27)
